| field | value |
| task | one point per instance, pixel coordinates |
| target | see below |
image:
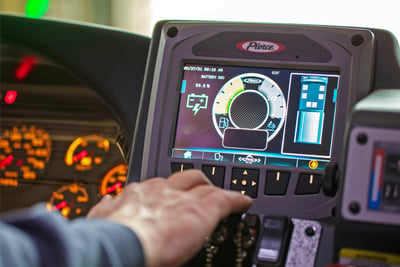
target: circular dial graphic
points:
(249, 109)
(114, 181)
(71, 200)
(250, 101)
(86, 152)
(24, 152)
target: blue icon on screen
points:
(223, 123)
(218, 157)
(310, 114)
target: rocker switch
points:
(273, 241)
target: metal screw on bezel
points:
(172, 32)
(354, 207)
(310, 231)
(357, 40)
(362, 138)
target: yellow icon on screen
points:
(313, 164)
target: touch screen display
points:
(256, 115)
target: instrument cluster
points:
(59, 142)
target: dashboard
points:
(286, 114)
(61, 143)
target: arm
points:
(39, 238)
(160, 222)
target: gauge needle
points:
(61, 205)
(6, 161)
(113, 187)
(80, 155)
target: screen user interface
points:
(255, 115)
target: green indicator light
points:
(36, 8)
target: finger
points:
(238, 201)
(203, 190)
(222, 203)
(107, 198)
(187, 179)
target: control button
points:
(249, 159)
(187, 154)
(308, 184)
(245, 181)
(281, 162)
(180, 167)
(216, 174)
(277, 183)
(391, 191)
(218, 156)
(312, 164)
(274, 240)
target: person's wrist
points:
(149, 239)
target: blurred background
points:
(139, 16)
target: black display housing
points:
(346, 52)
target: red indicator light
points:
(113, 187)
(7, 161)
(10, 97)
(79, 156)
(61, 205)
(25, 67)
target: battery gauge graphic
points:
(197, 102)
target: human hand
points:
(172, 217)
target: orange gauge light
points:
(114, 181)
(70, 200)
(86, 152)
(24, 153)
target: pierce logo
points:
(260, 46)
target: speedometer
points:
(87, 151)
(114, 180)
(70, 200)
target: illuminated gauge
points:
(250, 101)
(86, 152)
(114, 181)
(24, 153)
(70, 200)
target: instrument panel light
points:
(10, 97)
(25, 67)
